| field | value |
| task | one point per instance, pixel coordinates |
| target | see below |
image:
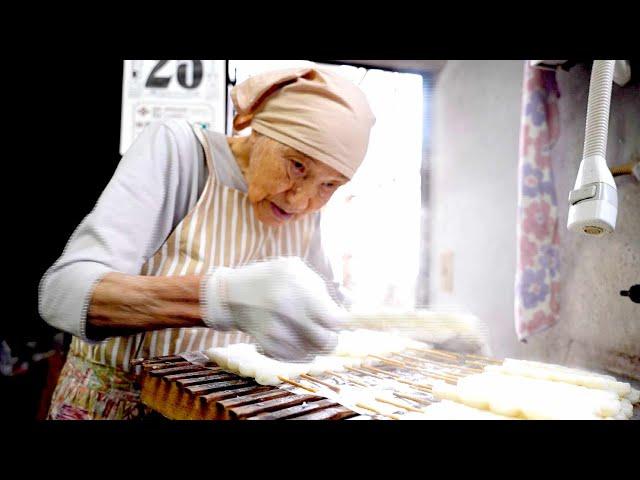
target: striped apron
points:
(221, 229)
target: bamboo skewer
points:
(438, 353)
(454, 376)
(446, 354)
(390, 361)
(471, 370)
(474, 362)
(398, 377)
(418, 386)
(296, 384)
(383, 400)
(347, 379)
(412, 358)
(435, 357)
(380, 399)
(435, 363)
(411, 397)
(398, 404)
(360, 404)
(361, 370)
(376, 411)
(443, 370)
(381, 372)
(481, 357)
(422, 362)
(441, 375)
(320, 382)
(377, 373)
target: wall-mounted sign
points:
(159, 89)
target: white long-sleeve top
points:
(157, 182)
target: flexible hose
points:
(595, 140)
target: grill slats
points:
(240, 392)
(269, 405)
(180, 369)
(217, 386)
(256, 397)
(185, 382)
(334, 413)
(195, 373)
(294, 411)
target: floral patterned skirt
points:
(90, 391)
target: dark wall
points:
(71, 137)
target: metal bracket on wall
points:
(633, 293)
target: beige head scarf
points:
(317, 112)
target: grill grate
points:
(181, 390)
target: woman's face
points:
(285, 184)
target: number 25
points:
(189, 75)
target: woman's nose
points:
(298, 198)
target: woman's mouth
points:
(280, 213)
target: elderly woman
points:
(200, 240)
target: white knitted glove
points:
(283, 304)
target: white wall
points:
(474, 199)
(473, 190)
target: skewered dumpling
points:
(269, 371)
(561, 374)
(219, 355)
(353, 348)
(531, 398)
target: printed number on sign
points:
(188, 73)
